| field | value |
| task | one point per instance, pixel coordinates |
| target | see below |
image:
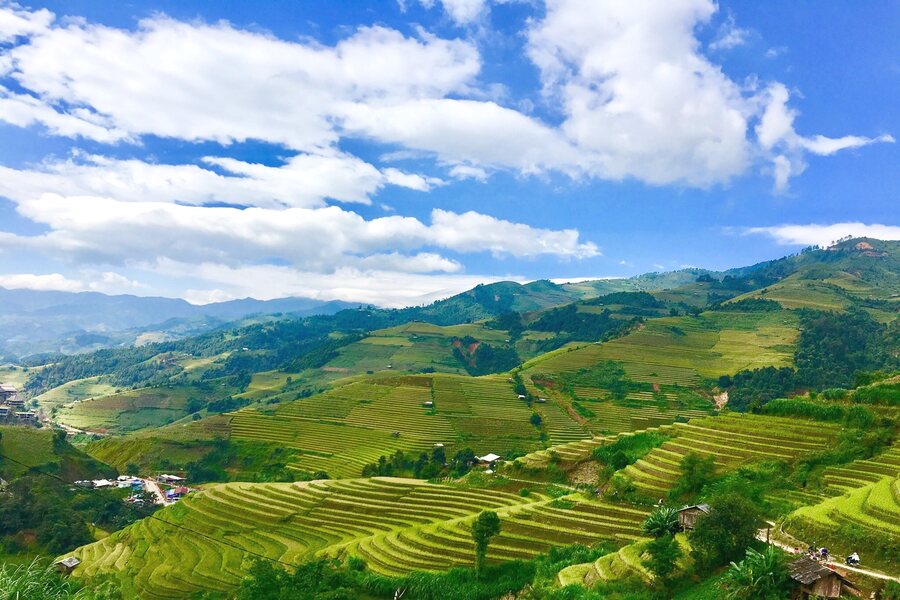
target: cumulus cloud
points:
(636, 96)
(106, 231)
(776, 134)
(107, 281)
(304, 180)
(824, 235)
(637, 93)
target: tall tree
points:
(486, 526)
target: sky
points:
(398, 151)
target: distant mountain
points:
(45, 321)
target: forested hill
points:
(855, 272)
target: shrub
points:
(662, 521)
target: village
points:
(12, 407)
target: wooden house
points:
(6, 392)
(66, 565)
(814, 580)
(687, 516)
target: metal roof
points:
(703, 507)
(69, 562)
(805, 570)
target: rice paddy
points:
(209, 540)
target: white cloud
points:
(16, 21)
(473, 231)
(197, 81)
(730, 35)
(776, 134)
(636, 96)
(107, 282)
(465, 132)
(636, 92)
(468, 172)
(105, 231)
(50, 281)
(384, 288)
(463, 11)
(305, 180)
(413, 181)
(824, 235)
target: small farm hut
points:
(687, 516)
(814, 580)
(66, 565)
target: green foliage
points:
(485, 358)
(568, 322)
(664, 554)
(831, 350)
(40, 581)
(697, 471)
(609, 375)
(535, 420)
(661, 522)
(726, 532)
(750, 305)
(628, 449)
(319, 580)
(59, 515)
(759, 576)
(425, 466)
(485, 527)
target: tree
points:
(485, 527)
(759, 576)
(664, 553)
(536, 420)
(662, 521)
(696, 472)
(725, 533)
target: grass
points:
(681, 350)
(74, 392)
(134, 410)
(341, 430)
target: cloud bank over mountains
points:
(629, 94)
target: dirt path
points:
(153, 487)
(790, 544)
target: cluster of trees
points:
(608, 375)
(424, 466)
(58, 515)
(484, 358)
(833, 349)
(570, 324)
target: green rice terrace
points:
(396, 525)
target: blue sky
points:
(395, 152)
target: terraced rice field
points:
(865, 519)
(626, 563)
(348, 427)
(681, 350)
(209, 540)
(734, 440)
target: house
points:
(102, 483)
(488, 460)
(7, 391)
(15, 402)
(28, 416)
(687, 516)
(172, 479)
(521, 396)
(541, 400)
(66, 565)
(4, 411)
(814, 580)
(428, 404)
